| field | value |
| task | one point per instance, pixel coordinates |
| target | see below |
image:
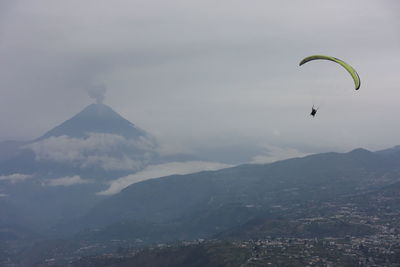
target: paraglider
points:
(313, 111)
(350, 70)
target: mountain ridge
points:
(253, 188)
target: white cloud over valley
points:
(15, 177)
(66, 181)
(160, 170)
(106, 151)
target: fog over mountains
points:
(96, 152)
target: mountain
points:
(361, 214)
(97, 138)
(389, 151)
(55, 177)
(205, 203)
(48, 188)
(349, 197)
(356, 230)
(96, 118)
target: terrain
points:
(328, 208)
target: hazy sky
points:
(206, 74)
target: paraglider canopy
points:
(349, 68)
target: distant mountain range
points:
(355, 230)
(296, 198)
(48, 186)
(202, 204)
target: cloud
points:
(155, 171)
(66, 181)
(3, 195)
(15, 177)
(107, 151)
(275, 153)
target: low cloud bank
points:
(110, 152)
(15, 177)
(66, 181)
(160, 170)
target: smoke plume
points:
(97, 93)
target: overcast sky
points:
(206, 74)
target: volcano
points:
(96, 118)
(55, 177)
(95, 140)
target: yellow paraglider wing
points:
(349, 68)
